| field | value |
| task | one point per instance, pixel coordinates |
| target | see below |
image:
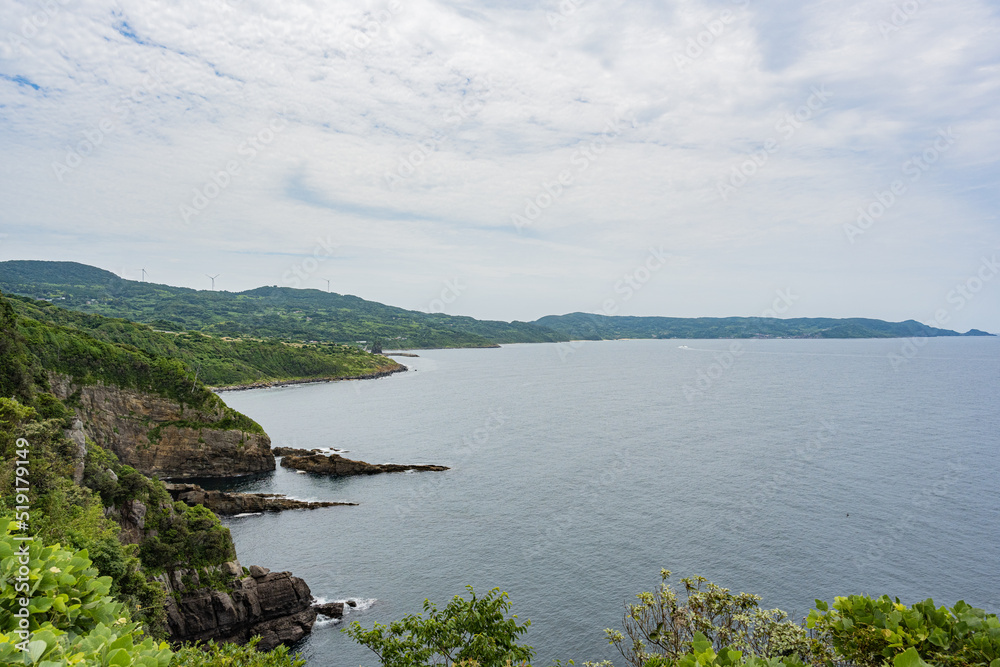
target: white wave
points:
(237, 516)
(323, 621)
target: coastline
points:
(267, 384)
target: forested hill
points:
(278, 312)
(97, 342)
(303, 315)
(585, 326)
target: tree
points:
(662, 626)
(474, 630)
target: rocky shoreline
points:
(283, 383)
(275, 605)
(225, 503)
(337, 466)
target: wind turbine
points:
(327, 284)
(143, 279)
(212, 278)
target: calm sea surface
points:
(795, 469)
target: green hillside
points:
(586, 326)
(316, 317)
(278, 312)
(214, 361)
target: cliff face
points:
(187, 444)
(274, 605)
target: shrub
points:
(72, 620)
(476, 630)
(871, 632)
(663, 624)
(232, 655)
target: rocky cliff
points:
(274, 605)
(159, 436)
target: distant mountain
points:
(276, 312)
(303, 315)
(585, 326)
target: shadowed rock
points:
(337, 466)
(221, 502)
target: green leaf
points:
(909, 658)
(822, 606)
(36, 649)
(119, 657)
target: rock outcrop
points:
(330, 609)
(274, 605)
(337, 466)
(291, 451)
(122, 420)
(222, 502)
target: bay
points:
(794, 469)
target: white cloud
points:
(486, 104)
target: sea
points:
(793, 469)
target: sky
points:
(509, 160)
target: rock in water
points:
(222, 502)
(330, 609)
(338, 466)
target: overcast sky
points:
(711, 153)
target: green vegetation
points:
(870, 631)
(475, 630)
(266, 312)
(663, 624)
(306, 315)
(706, 626)
(93, 601)
(72, 619)
(586, 326)
(231, 655)
(213, 361)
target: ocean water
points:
(794, 469)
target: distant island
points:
(312, 316)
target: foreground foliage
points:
(870, 631)
(476, 630)
(704, 625)
(72, 619)
(663, 625)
